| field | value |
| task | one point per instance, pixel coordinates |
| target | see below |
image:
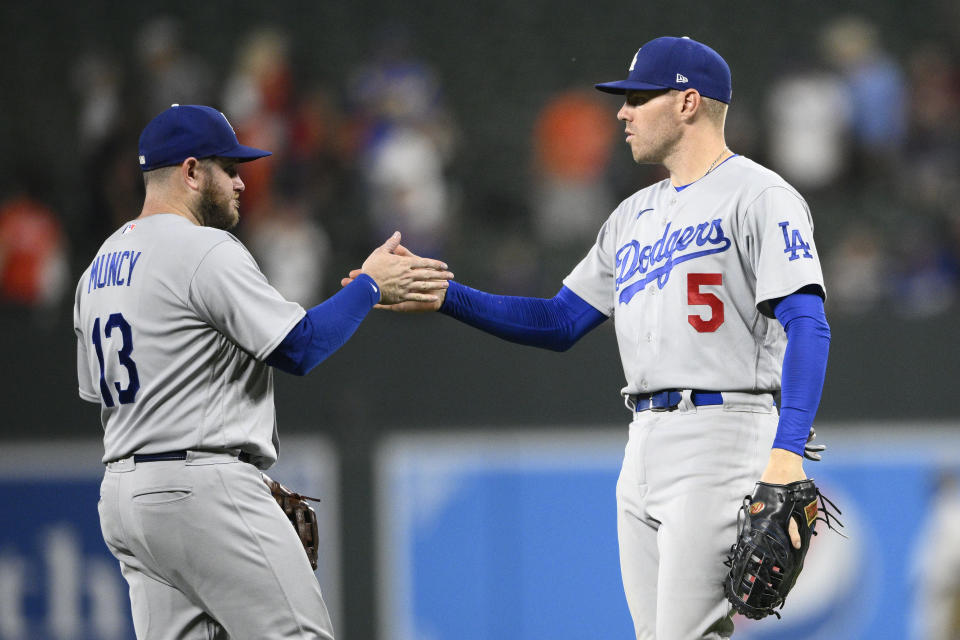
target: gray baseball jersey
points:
(687, 277)
(173, 322)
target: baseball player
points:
(714, 282)
(177, 333)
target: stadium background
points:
(887, 230)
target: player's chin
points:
(227, 220)
(639, 156)
(643, 156)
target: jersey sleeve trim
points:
(763, 302)
(273, 344)
(586, 297)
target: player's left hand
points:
(785, 467)
(763, 568)
(402, 276)
(410, 306)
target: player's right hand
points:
(404, 278)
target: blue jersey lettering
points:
(656, 261)
(107, 270)
(794, 242)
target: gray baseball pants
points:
(683, 479)
(207, 552)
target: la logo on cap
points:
(228, 123)
(633, 62)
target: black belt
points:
(176, 455)
(669, 400)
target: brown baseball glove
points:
(301, 515)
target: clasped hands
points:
(407, 282)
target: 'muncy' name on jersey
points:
(173, 322)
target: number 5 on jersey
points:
(697, 297)
(128, 395)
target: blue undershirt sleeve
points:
(325, 327)
(555, 323)
(804, 367)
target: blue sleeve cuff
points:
(371, 287)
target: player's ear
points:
(690, 103)
(190, 173)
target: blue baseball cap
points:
(676, 63)
(191, 130)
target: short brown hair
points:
(716, 111)
(158, 175)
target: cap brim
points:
(245, 154)
(622, 86)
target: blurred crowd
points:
(871, 138)
(873, 141)
(350, 164)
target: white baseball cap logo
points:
(633, 62)
(228, 123)
(682, 78)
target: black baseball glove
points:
(301, 516)
(763, 563)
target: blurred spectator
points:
(408, 190)
(809, 114)
(112, 186)
(329, 180)
(949, 245)
(258, 96)
(320, 148)
(877, 93)
(405, 138)
(282, 196)
(857, 272)
(936, 565)
(97, 80)
(741, 130)
(292, 250)
(924, 284)
(931, 170)
(396, 88)
(33, 252)
(262, 80)
(513, 260)
(572, 141)
(170, 74)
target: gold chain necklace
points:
(713, 164)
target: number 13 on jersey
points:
(129, 394)
(697, 297)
